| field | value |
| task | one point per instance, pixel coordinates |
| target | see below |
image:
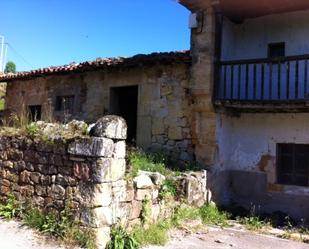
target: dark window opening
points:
(276, 50)
(293, 164)
(65, 103)
(123, 102)
(35, 112)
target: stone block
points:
(12, 177)
(108, 170)
(175, 133)
(102, 236)
(110, 126)
(95, 195)
(81, 171)
(120, 150)
(92, 147)
(143, 181)
(40, 190)
(8, 164)
(135, 210)
(19, 166)
(157, 126)
(24, 177)
(97, 217)
(142, 194)
(35, 177)
(5, 183)
(155, 212)
(119, 189)
(56, 192)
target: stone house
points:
(149, 91)
(236, 104)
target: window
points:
(35, 112)
(65, 103)
(276, 50)
(293, 164)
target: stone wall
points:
(90, 172)
(163, 115)
(202, 88)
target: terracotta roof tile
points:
(100, 63)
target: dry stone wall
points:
(90, 173)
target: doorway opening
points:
(35, 112)
(123, 102)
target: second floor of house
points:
(262, 54)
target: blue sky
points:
(56, 32)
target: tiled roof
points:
(100, 63)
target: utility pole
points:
(4, 57)
(1, 53)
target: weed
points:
(139, 160)
(11, 209)
(210, 214)
(146, 211)
(184, 213)
(120, 239)
(253, 221)
(156, 234)
(32, 130)
(168, 189)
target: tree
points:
(10, 67)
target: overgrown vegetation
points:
(121, 239)
(157, 234)
(139, 160)
(62, 225)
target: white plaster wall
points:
(243, 140)
(250, 39)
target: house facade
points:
(257, 141)
(237, 104)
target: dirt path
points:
(15, 236)
(229, 238)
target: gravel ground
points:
(217, 238)
(15, 236)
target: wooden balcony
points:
(264, 85)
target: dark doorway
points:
(123, 102)
(35, 112)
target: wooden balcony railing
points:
(268, 80)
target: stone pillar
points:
(101, 194)
(202, 87)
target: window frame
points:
(294, 175)
(59, 103)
